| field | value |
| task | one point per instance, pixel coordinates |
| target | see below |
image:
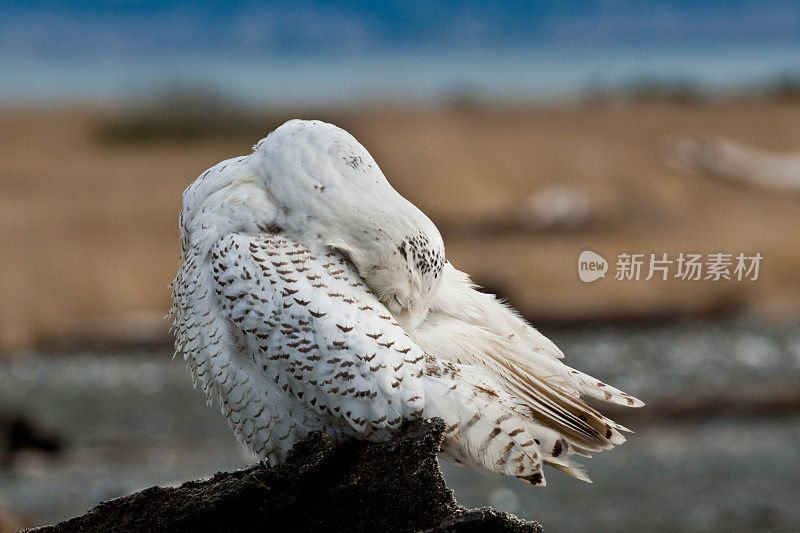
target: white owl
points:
(312, 296)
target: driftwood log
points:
(355, 486)
(734, 162)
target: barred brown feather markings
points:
(503, 418)
(454, 428)
(557, 448)
(492, 434)
(474, 420)
(417, 413)
(518, 459)
(263, 406)
(233, 421)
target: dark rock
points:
(356, 486)
(18, 434)
(22, 434)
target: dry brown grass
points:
(89, 234)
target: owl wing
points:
(309, 325)
(468, 326)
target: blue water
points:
(426, 76)
(327, 52)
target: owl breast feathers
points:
(312, 296)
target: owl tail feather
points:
(486, 431)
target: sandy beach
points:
(90, 240)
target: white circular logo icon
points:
(591, 266)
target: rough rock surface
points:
(353, 487)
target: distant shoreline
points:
(412, 76)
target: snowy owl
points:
(312, 296)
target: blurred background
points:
(528, 132)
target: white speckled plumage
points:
(313, 296)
